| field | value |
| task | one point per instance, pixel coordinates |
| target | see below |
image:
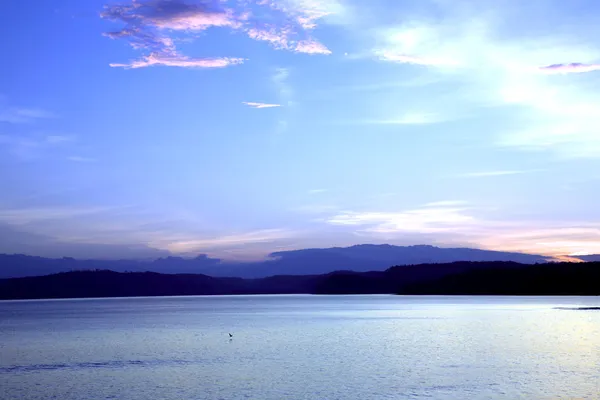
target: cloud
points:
(149, 24)
(573, 68)
(81, 159)
(259, 236)
(280, 79)
(423, 220)
(305, 13)
(317, 191)
(19, 115)
(484, 174)
(445, 203)
(16, 240)
(278, 38)
(171, 15)
(58, 138)
(97, 226)
(27, 147)
(175, 60)
(316, 209)
(404, 59)
(491, 54)
(156, 26)
(260, 105)
(557, 241)
(456, 222)
(311, 46)
(28, 215)
(411, 118)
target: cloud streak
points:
(253, 237)
(20, 115)
(406, 59)
(485, 174)
(457, 223)
(175, 60)
(573, 68)
(260, 105)
(31, 147)
(81, 159)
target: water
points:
(300, 347)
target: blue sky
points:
(236, 128)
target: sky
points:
(236, 128)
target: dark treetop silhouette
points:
(472, 278)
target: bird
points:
(230, 335)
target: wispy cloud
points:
(176, 60)
(58, 138)
(311, 46)
(562, 239)
(260, 105)
(284, 90)
(572, 68)
(446, 203)
(24, 216)
(81, 159)
(492, 66)
(405, 59)
(260, 236)
(280, 80)
(27, 147)
(19, 115)
(457, 223)
(317, 191)
(155, 26)
(484, 174)
(423, 220)
(277, 37)
(412, 118)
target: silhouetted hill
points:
(394, 279)
(104, 283)
(578, 279)
(498, 278)
(358, 258)
(591, 257)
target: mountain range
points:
(359, 258)
(459, 278)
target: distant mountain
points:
(369, 257)
(357, 258)
(473, 278)
(591, 257)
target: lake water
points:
(300, 347)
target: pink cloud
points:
(149, 25)
(172, 14)
(278, 38)
(572, 68)
(304, 12)
(181, 61)
(404, 59)
(146, 24)
(260, 105)
(196, 20)
(138, 39)
(311, 47)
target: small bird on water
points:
(230, 335)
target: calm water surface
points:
(300, 347)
